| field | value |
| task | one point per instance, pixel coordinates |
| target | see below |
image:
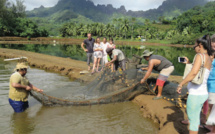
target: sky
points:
(129, 4)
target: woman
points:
(97, 54)
(211, 82)
(198, 94)
(111, 45)
(104, 45)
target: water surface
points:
(76, 52)
(124, 118)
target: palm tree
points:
(109, 30)
(100, 29)
(125, 26)
(133, 20)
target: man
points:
(160, 64)
(19, 89)
(89, 42)
(104, 45)
(118, 58)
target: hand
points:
(186, 60)
(28, 88)
(179, 89)
(143, 69)
(108, 64)
(39, 90)
(142, 81)
(85, 50)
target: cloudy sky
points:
(129, 4)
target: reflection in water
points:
(21, 123)
(111, 118)
(76, 52)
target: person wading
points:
(19, 89)
(89, 43)
(160, 64)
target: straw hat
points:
(21, 66)
(147, 53)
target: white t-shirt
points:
(104, 46)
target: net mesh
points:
(107, 87)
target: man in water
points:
(118, 58)
(19, 89)
(89, 42)
(160, 64)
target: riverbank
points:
(163, 112)
(72, 41)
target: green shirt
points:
(18, 94)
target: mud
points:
(160, 111)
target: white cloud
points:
(129, 4)
(132, 5)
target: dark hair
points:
(213, 38)
(111, 39)
(205, 41)
(96, 39)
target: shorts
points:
(97, 54)
(18, 106)
(211, 99)
(120, 64)
(164, 74)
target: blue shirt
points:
(211, 79)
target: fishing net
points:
(106, 87)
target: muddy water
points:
(124, 118)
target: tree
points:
(133, 20)
(125, 26)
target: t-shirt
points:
(18, 94)
(112, 46)
(211, 79)
(89, 45)
(164, 62)
(119, 54)
(104, 46)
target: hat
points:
(108, 50)
(21, 66)
(147, 53)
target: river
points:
(124, 118)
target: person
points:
(19, 89)
(205, 105)
(111, 45)
(211, 81)
(160, 64)
(118, 58)
(97, 54)
(89, 42)
(198, 94)
(105, 45)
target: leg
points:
(160, 89)
(94, 65)
(98, 61)
(155, 88)
(160, 83)
(88, 61)
(194, 106)
(205, 111)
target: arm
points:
(148, 73)
(82, 45)
(35, 88)
(145, 68)
(19, 86)
(192, 74)
(112, 61)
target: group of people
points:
(199, 94)
(102, 52)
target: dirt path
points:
(161, 111)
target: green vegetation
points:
(13, 21)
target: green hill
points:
(84, 11)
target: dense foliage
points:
(13, 21)
(86, 12)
